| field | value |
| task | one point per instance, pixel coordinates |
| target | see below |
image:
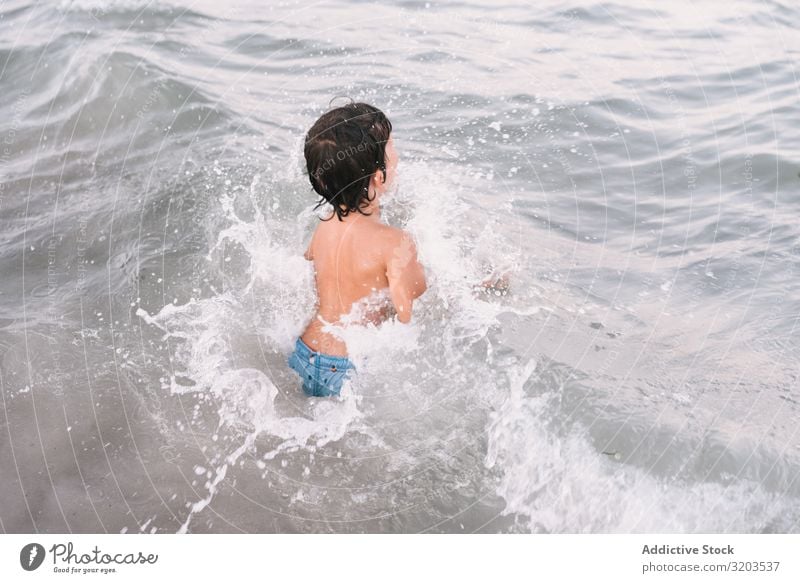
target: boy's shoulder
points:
(388, 231)
(379, 232)
(388, 239)
(393, 236)
(398, 245)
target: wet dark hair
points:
(343, 149)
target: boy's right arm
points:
(405, 274)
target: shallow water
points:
(634, 169)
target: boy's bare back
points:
(353, 259)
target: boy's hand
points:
(496, 285)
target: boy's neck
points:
(373, 209)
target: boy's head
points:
(348, 153)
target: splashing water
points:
(202, 335)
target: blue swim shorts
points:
(322, 374)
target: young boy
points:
(351, 163)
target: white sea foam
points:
(559, 483)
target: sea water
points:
(634, 171)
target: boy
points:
(351, 163)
